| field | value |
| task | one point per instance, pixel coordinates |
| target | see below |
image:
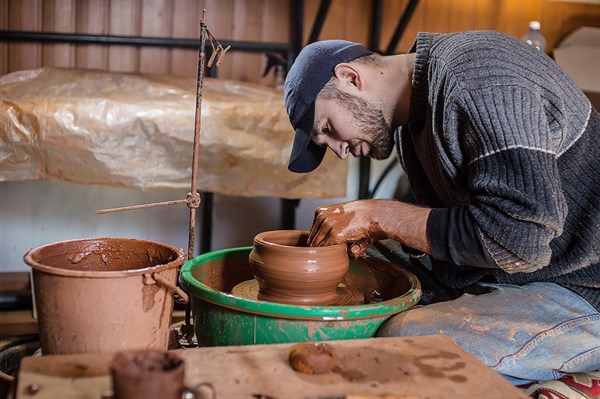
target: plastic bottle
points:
(534, 37)
(279, 77)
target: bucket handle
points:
(155, 278)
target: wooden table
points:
(392, 368)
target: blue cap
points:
(312, 69)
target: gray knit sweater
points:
(497, 127)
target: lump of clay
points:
(312, 358)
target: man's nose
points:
(341, 149)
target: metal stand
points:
(193, 198)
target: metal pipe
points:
(319, 19)
(364, 164)
(402, 24)
(197, 128)
(297, 32)
(78, 38)
(375, 39)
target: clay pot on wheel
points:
(289, 271)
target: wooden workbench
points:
(405, 367)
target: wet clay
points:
(98, 295)
(103, 255)
(335, 221)
(379, 366)
(249, 289)
(312, 357)
(148, 374)
(289, 271)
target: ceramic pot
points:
(289, 271)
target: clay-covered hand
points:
(353, 222)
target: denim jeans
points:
(537, 331)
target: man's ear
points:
(347, 74)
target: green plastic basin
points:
(221, 318)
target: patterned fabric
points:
(570, 386)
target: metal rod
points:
(402, 24)
(364, 164)
(197, 128)
(375, 39)
(296, 34)
(390, 166)
(319, 19)
(143, 206)
(74, 38)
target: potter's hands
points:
(362, 222)
(354, 222)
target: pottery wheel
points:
(346, 296)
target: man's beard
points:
(376, 131)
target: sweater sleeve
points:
(453, 238)
(516, 203)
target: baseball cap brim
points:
(306, 156)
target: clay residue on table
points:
(378, 366)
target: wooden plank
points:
(414, 26)
(437, 16)
(247, 22)
(156, 21)
(463, 15)
(485, 16)
(431, 367)
(334, 26)
(186, 24)
(3, 45)
(392, 10)
(277, 11)
(124, 20)
(510, 17)
(357, 21)
(14, 282)
(347, 19)
(91, 18)
(17, 322)
(24, 15)
(58, 16)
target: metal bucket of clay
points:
(104, 294)
(223, 318)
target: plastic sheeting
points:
(135, 131)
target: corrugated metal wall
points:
(254, 20)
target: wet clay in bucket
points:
(289, 271)
(104, 294)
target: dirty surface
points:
(432, 367)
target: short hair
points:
(330, 92)
(372, 60)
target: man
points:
(502, 152)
